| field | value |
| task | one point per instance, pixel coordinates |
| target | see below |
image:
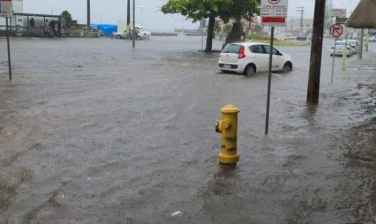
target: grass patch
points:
(283, 43)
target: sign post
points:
(6, 10)
(273, 13)
(336, 30)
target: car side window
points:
(257, 49)
(267, 50)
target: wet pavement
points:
(92, 131)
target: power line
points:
(301, 11)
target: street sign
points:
(338, 13)
(336, 30)
(274, 12)
(273, 20)
(341, 20)
(6, 8)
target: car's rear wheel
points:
(287, 67)
(139, 38)
(118, 36)
(249, 70)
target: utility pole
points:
(129, 17)
(301, 11)
(313, 92)
(88, 14)
(134, 24)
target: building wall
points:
(294, 25)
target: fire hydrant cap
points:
(230, 109)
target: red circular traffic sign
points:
(274, 2)
(336, 30)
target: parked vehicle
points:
(141, 34)
(340, 48)
(249, 58)
(355, 45)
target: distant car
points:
(354, 45)
(141, 34)
(340, 48)
(249, 58)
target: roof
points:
(364, 15)
(38, 15)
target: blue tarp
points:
(107, 29)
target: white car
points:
(354, 45)
(340, 48)
(249, 58)
(141, 34)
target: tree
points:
(68, 18)
(227, 28)
(217, 27)
(258, 29)
(210, 9)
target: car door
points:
(277, 58)
(260, 58)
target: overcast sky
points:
(110, 11)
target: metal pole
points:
(134, 24)
(269, 81)
(360, 54)
(345, 55)
(202, 37)
(142, 16)
(88, 14)
(129, 18)
(9, 61)
(334, 57)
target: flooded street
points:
(92, 131)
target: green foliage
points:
(227, 28)
(225, 9)
(217, 27)
(68, 19)
(202, 9)
(258, 29)
(257, 36)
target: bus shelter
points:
(37, 25)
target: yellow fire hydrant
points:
(228, 126)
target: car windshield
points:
(232, 49)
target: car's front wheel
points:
(249, 70)
(287, 67)
(118, 36)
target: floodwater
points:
(92, 131)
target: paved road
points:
(94, 132)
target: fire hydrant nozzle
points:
(228, 126)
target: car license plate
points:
(227, 66)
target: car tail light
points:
(242, 53)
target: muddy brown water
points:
(92, 131)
